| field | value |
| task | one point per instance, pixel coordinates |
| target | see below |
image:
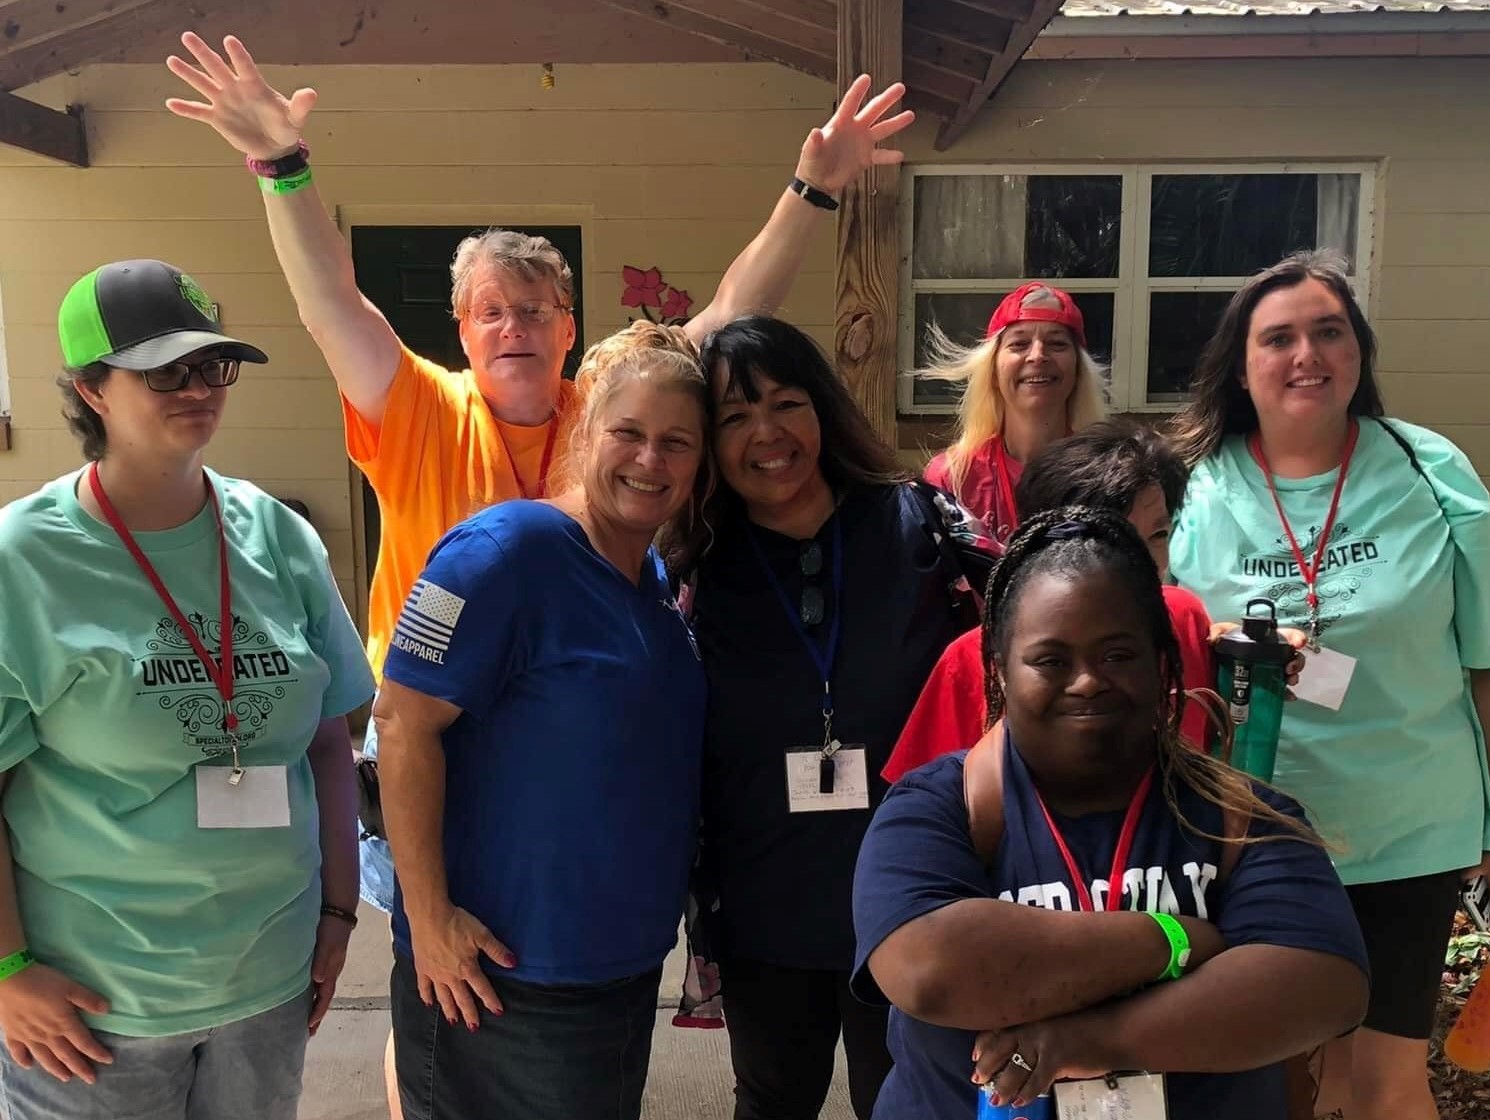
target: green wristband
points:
(286, 185)
(18, 961)
(1179, 946)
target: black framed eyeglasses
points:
(216, 373)
(812, 606)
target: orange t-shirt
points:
(437, 458)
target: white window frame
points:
(1131, 288)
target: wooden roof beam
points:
(753, 43)
(998, 70)
(960, 24)
(26, 23)
(35, 128)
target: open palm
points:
(841, 150)
(245, 110)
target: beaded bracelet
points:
(282, 167)
(18, 961)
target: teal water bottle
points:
(1253, 677)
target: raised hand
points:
(846, 146)
(246, 111)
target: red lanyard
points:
(1119, 857)
(220, 672)
(1308, 572)
(548, 454)
(1006, 492)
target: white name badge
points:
(1325, 678)
(804, 779)
(1126, 1096)
(260, 800)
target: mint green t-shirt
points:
(1397, 777)
(106, 712)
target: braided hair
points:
(1080, 540)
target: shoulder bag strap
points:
(983, 791)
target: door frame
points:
(485, 215)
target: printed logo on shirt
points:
(1144, 888)
(427, 622)
(1346, 565)
(174, 675)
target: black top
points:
(784, 879)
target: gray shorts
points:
(248, 1070)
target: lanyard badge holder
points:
(835, 775)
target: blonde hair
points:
(522, 255)
(667, 358)
(980, 412)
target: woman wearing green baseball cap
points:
(179, 878)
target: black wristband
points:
(282, 168)
(347, 916)
(821, 199)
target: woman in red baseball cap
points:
(1029, 382)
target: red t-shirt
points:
(982, 490)
(950, 712)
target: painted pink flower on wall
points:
(645, 288)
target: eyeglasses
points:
(216, 373)
(531, 313)
(813, 606)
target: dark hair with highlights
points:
(759, 346)
(1075, 541)
(1219, 405)
(1106, 466)
(82, 421)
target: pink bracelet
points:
(284, 166)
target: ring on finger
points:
(1017, 1059)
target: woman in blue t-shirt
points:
(1373, 535)
(1212, 963)
(540, 728)
(821, 607)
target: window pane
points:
(964, 318)
(1180, 324)
(1234, 225)
(1037, 226)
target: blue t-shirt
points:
(572, 774)
(918, 857)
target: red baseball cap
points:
(1014, 309)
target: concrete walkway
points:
(690, 1077)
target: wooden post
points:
(868, 264)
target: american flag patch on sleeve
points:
(427, 622)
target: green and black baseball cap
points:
(141, 315)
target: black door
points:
(405, 272)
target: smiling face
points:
(508, 355)
(642, 452)
(1035, 367)
(768, 450)
(1081, 678)
(1303, 363)
(182, 422)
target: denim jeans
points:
(374, 859)
(248, 1070)
(556, 1053)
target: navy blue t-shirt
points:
(572, 775)
(785, 879)
(919, 857)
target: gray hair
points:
(523, 255)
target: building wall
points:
(676, 166)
